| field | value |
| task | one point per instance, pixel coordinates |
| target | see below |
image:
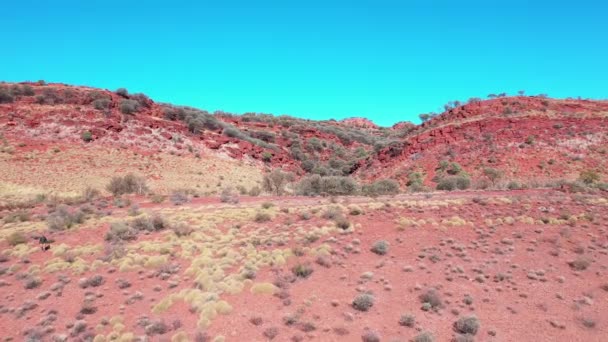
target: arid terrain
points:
(487, 222)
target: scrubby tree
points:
(493, 174)
(276, 180)
(129, 106)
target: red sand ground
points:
(518, 276)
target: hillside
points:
(523, 140)
(188, 247)
(63, 138)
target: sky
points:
(385, 60)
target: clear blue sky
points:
(388, 61)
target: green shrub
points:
(407, 320)
(120, 231)
(513, 185)
(87, 136)
(28, 90)
(467, 325)
(266, 156)
(363, 302)
(255, 191)
(262, 217)
(267, 205)
(302, 270)
(493, 174)
(102, 104)
(380, 247)
(381, 187)
(6, 96)
(62, 218)
(432, 298)
(276, 180)
(342, 223)
(232, 132)
(122, 92)
(451, 183)
(424, 336)
(17, 216)
(129, 106)
(332, 185)
(128, 184)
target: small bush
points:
(89, 194)
(589, 177)
(316, 185)
(432, 297)
(302, 270)
(102, 104)
(228, 195)
(266, 156)
(513, 185)
(158, 198)
(119, 231)
(267, 205)
(87, 136)
(370, 336)
(579, 264)
(380, 247)
(62, 218)
(182, 229)
(381, 187)
(31, 282)
(451, 183)
(122, 92)
(16, 238)
(179, 197)
(156, 328)
(6, 96)
(276, 180)
(363, 302)
(407, 320)
(128, 184)
(424, 337)
(18, 216)
(271, 333)
(467, 325)
(150, 224)
(88, 308)
(262, 217)
(255, 191)
(342, 223)
(129, 106)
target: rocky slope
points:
(521, 138)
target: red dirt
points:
(511, 271)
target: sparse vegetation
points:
(16, 238)
(407, 320)
(432, 298)
(381, 187)
(380, 247)
(302, 270)
(363, 302)
(64, 218)
(316, 185)
(276, 180)
(128, 184)
(467, 325)
(129, 106)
